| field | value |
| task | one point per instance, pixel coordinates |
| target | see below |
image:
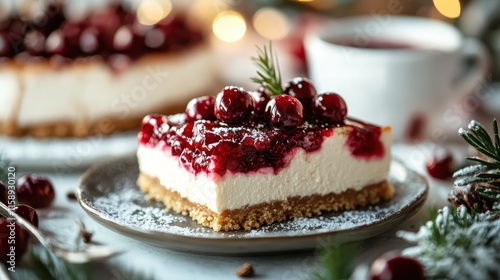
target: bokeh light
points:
(229, 26)
(448, 8)
(271, 23)
(151, 12)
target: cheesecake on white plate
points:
(245, 160)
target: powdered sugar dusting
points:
(112, 193)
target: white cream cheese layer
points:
(332, 169)
(89, 92)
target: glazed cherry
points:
(201, 108)
(233, 105)
(260, 100)
(28, 213)
(35, 190)
(150, 129)
(440, 164)
(284, 111)
(392, 266)
(302, 89)
(329, 107)
(12, 249)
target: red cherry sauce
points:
(215, 147)
(364, 141)
(107, 32)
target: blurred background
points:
(235, 27)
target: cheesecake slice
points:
(99, 73)
(245, 160)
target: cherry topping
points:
(5, 47)
(284, 111)
(12, 249)
(201, 108)
(35, 43)
(51, 18)
(392, 266)
(364, 141)
(233, 105)
(150, 129)
(65, 41)
(28, 213)
(35, 190)
(89, 41)
(329, 107)
(302, 89)
(440, 164)
(260, 100)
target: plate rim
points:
(155, 237)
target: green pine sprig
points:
(486, 170)
(268, 75)
(457, 243)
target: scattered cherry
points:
(329, 107)
(260, 100)
(440, 164)
(12, 249)
(302, 89)
(233, 105)
(284, 111)
(28, 213)
(392, 266)
(201, 108)
(35, 190)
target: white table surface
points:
(160, 263)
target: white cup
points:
(399, 86)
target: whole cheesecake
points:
(99, 74)
(246, 159)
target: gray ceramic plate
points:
(108, 192)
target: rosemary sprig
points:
(268, 75)
(486, 171)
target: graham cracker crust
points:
(255, 216)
